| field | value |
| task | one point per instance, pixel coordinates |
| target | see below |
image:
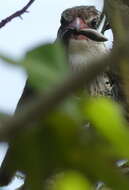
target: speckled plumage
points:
(82, 53)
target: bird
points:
(82, 35)
(79, 31)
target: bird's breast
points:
(82, 53)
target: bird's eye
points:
(94, 23)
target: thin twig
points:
(16, 14)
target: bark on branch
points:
(126, 2)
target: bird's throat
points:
(83, 52)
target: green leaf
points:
(108, 119)
(71, 180)
(46, 65)
(8, 59)
(52, 54)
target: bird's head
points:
(81, 23)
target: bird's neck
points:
(81, 52)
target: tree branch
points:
(118, 15)
(44, 104)
(16, 14)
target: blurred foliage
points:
(46, 64)
(75, 146)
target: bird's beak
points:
(77, 24)
(79, 27)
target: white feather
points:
(82, 52)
